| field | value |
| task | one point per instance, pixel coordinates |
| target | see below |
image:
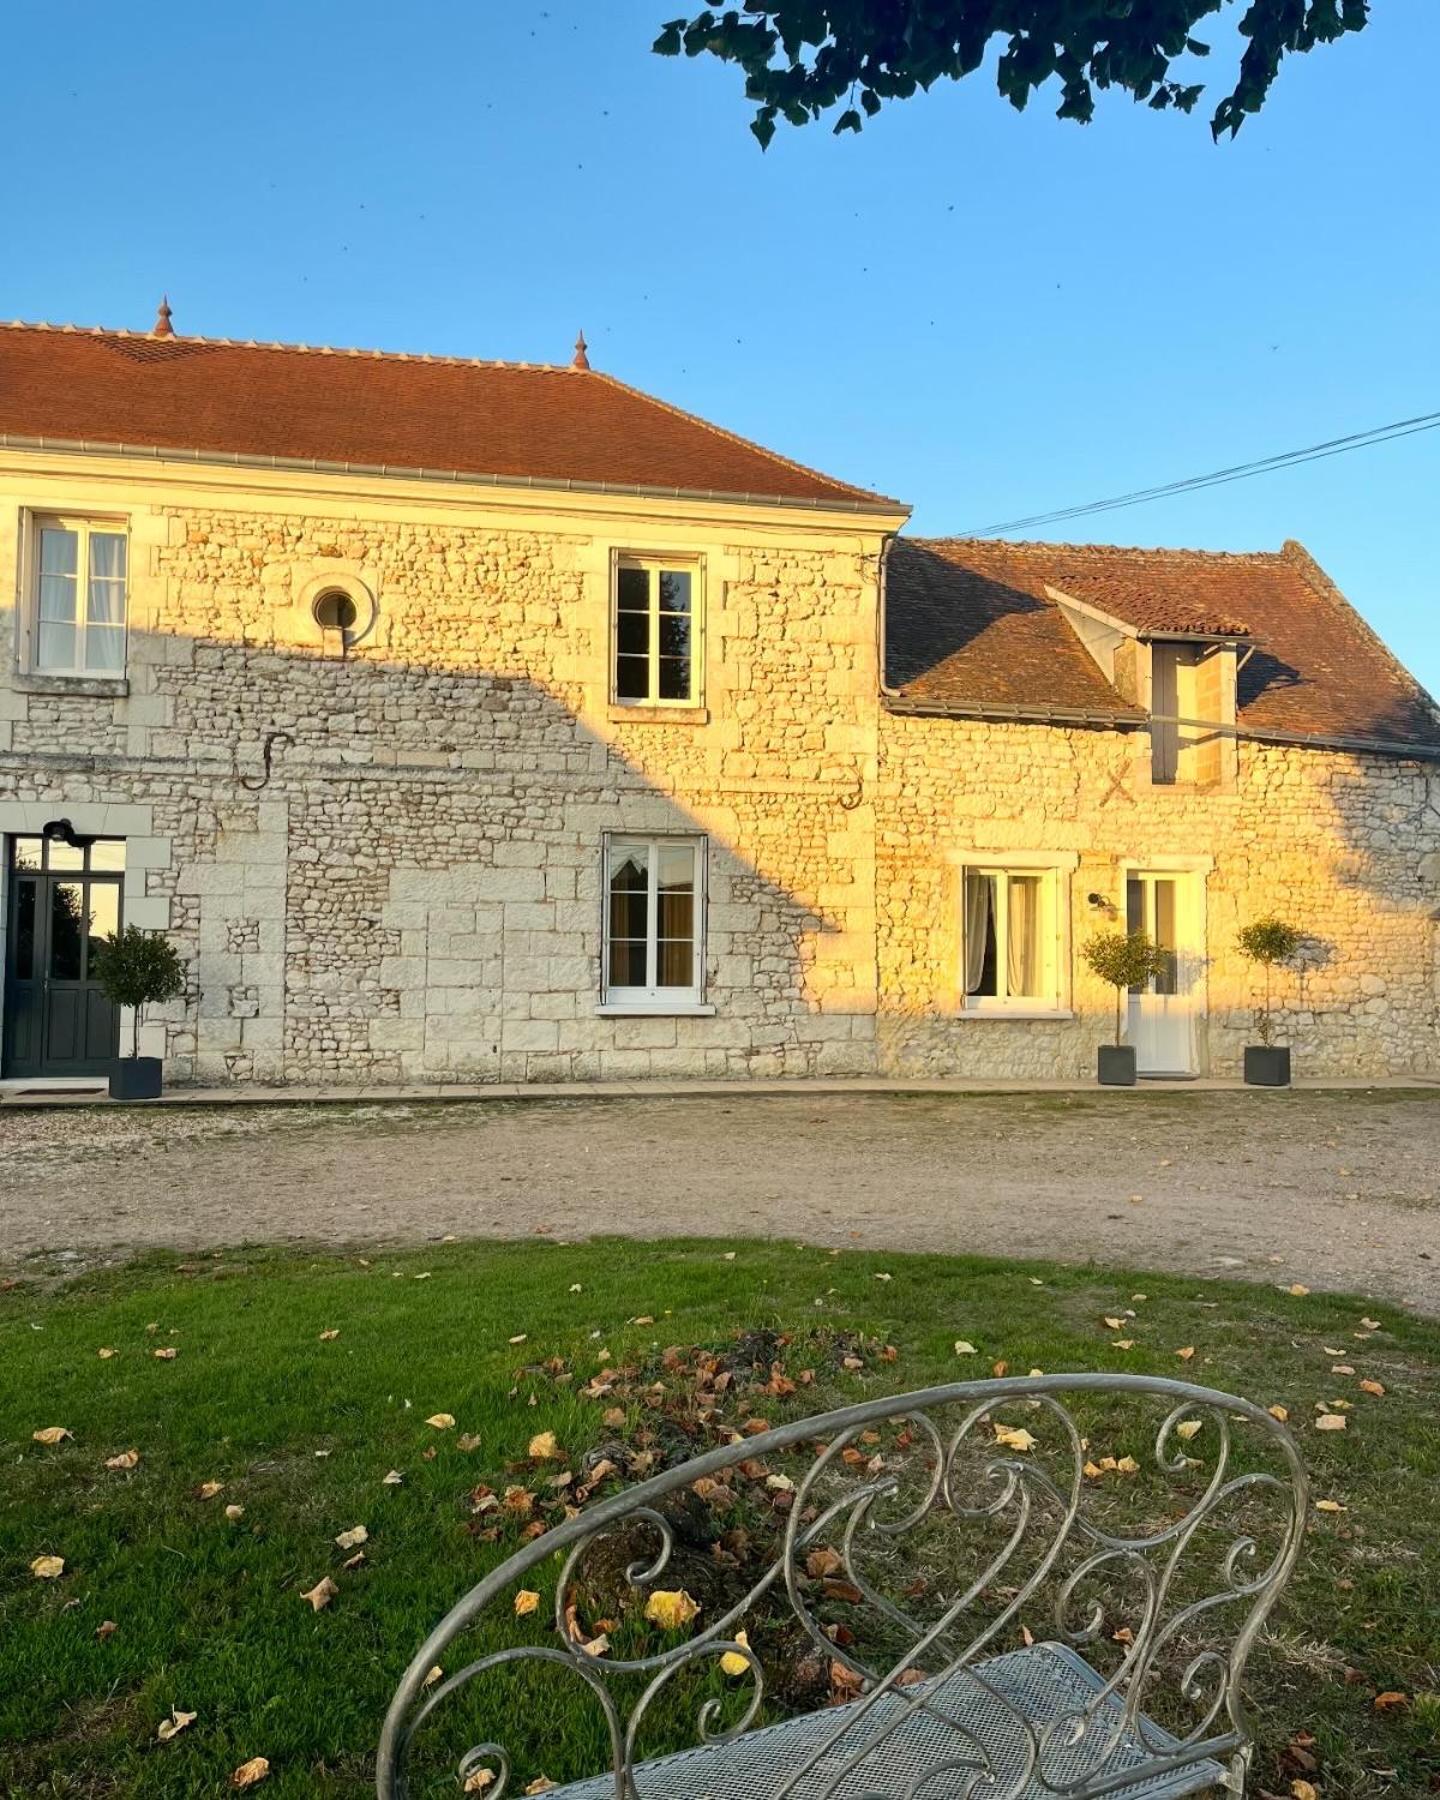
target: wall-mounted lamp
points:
(1100, 903)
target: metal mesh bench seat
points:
(958, 1594)
(1046, 1683)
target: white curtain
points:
(979, 907)
(1022, 951)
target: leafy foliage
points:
(803, 57)
(1124, 959)
(138, 969)
(1267, 941)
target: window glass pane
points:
(675, 590)
(1134, 905)
(632, 677)
(633, 590)
(26, 853)
(627, 963)
(56, 647)
(107, 556)
(104, 900)
(675, 964)
(675, 635)
(24, 952)
(59, 551)
(980, 971)
(108, 854)
(632, 633)
(674, 678)
(1167, 981)
(629, 897)
(66, 913)
(66, 856)
(1022, 938)
(105, 649)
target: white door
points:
(1162, 1013)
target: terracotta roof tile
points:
(973, 622)
(509, 420)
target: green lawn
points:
(301, 1431)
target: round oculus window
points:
(335, 610)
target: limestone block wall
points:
(410, 887)
(1341, 845)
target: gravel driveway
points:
(1338, 1189)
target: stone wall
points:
(1341, 845)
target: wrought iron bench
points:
(901, 1618)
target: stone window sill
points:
(659, 715)
(1011, 1014)
(86, 687)
(663, 1009)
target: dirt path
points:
(1337, 1190)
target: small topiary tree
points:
(1268, 941)
(138, 969)
(1124, 959)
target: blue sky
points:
(986, 313)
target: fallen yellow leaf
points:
(732, 1663)
(1282, 1413)
(1014, 1437)
(48, 1568)
(126, 1459)
(329, 1337)
(1372, 1387)
(479, 1781)
(1188, 1428)
(323, 1592)
(670, 1608)
(527, 1601)
(105, 1352)
(1298, 1289)
(964, 1348)
(542, 1784)
(1123, 1343)
(1115, 1324)
(1330, 1506)
(176, 1723)
(256, 1769)
(1127, 1465)
(1330, 1421)
(441, 1421)
(353, 1538)
(543, 1446)
(1186, 1354)
(467, 1440)
(233, 1512)
(433, 1674)
(52, 1434)
(106, 1628)
(1301, 1789)
(1391, 1701)
(167, 1353)
(207, 1490)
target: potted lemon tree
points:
(1124, 960)
(1267, 941)
(138, 969)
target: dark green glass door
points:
(62, 899)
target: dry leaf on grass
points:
(391, 1478)
(323, 1592)
(519, 1337)
(125, 1459)
(1014, 1437)
(234, 1512)
(1300, 1789)
(174, 1725)
(1282, 1413)
(468, 1440)
(48, 1568)
(963, 1347)
(542, 1784)
(543, 1447)
(1372, 1387)
(329, 1337)
(1122, 1343)
(732, 1663)
(1329, 1506)
(671, 1609)
(1391, 1701)
(167, 1354)
(1189, 1428)
(207, 1490)
(1370, 1324)
(105, 1352)
(52, 1434)
(441, 1421)
(106, 1628)
(256, 1769)
(1298, 1289)
(433, 1674)
(1329, 1421)
(1187, 1353)
(353, 1538)
(527, 1601)
(479, 1781)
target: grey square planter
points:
(1115, 1065)
(135, 1078)
(1267, 1065)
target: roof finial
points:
(580, 360)
(162, 326)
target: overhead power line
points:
(1288, 459)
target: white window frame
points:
(654, 566)
(1055, 869)
(83, 525)
(654, 998)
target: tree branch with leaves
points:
(805, 58)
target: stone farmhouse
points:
(472, 721)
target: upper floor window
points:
(1008, 942)
(654, 905)
(655, 633)
(78, 600)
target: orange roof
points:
(974, 623)
(521, 422)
